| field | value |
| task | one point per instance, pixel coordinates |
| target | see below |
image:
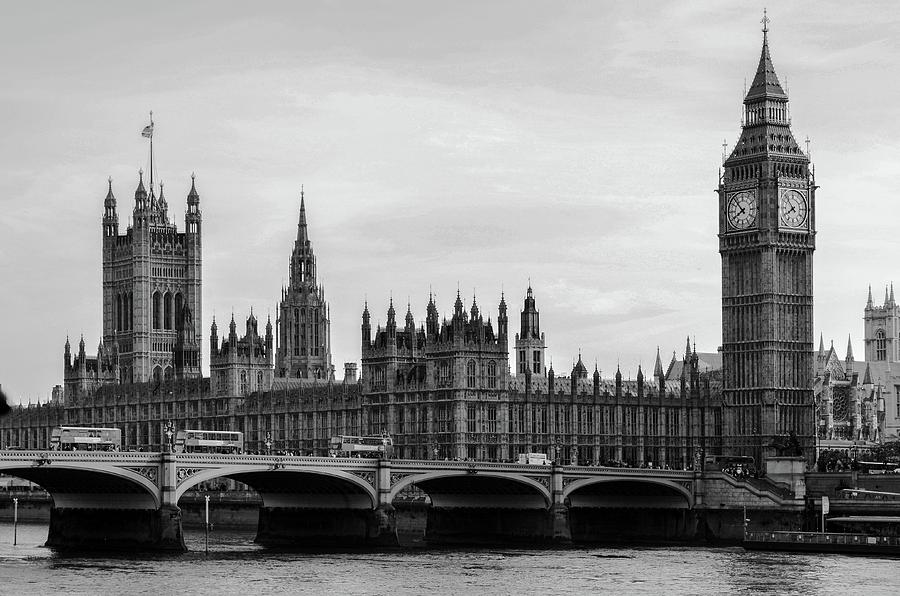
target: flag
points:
(148, 131)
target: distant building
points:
(304, 322)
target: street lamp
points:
(268, 443)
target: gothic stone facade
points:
(766, 240)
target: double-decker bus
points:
(350, 446)
(80, 438)
(209, 441)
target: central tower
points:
(304, 347)
(766, 240)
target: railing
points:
(822, 538)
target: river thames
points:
(236, 566)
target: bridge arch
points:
(628, 492)
(464, 482)
(89, 484)
(281, 487)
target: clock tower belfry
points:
(766, 240)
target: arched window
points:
(470, 373)
(157, 374)
(259, 381)
(243, 382)
(880, 345)
(169, 373)
(179, 307)
(167, 311)
(157, 310)
(492, 375)
(118, 312)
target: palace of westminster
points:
(448, 389)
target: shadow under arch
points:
(308, 507)
(462, 488)
(626, 492)
(75, 485)
(310, 488)
(476, 507)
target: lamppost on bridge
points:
(170, 433)
(268, 443)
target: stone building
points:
(304, 333)
(241, 366)
(766, 241)
(441, 392)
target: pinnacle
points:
(765, 83)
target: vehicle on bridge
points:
(351, 446)
(534, 459)
(878, 467)
(79, 438)
(209, 441)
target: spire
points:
(687, 349)
(301, 225)
(821, 345)
(193, 194)
(658, 369)
(765, 83)
(869, 301)
(867, 377)
(892, 293)
(110, 197)
(849, 349)
(885, 295)
(140, 191)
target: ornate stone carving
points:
(398, 476)
(567, 480)
(185, 473)
(544, 480)
(151, 473)
(367, 476)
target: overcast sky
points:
(440, 143)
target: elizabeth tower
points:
(767, 239)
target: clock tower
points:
(766, 239)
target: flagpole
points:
(151, 153)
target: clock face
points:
(742, 209)
(793, 208)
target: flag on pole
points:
(148, 131)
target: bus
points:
(878, 467)
(209, 441)
(350, 446)
(80, 438)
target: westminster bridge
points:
(130, 500)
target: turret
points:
(192, 217)
(596, 380)
(67, 355)
(270, 339)
(502, 321)
(81, 355)
(640, 382)
(110, 216)
(141, 204)
(474, 312)
(213, 338)
(551, 379)
(431, 318)
(410, 323)
(232, 332)
(366, 326)
(618, 381)
(391, 321)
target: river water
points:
(236, 566)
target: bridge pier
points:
(116, 529)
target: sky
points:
(442, 145)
